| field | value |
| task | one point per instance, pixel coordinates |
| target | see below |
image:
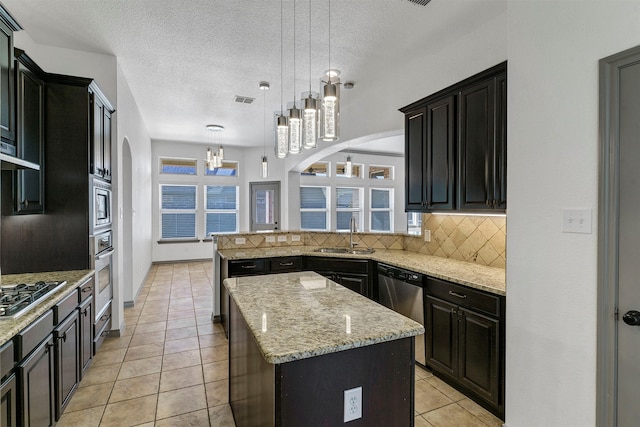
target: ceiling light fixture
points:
(214, 159)
(310, 115)
(295, 116)
(330, 112)
(348, 167)
(264, 169)
(282, 129)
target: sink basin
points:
(346, 251)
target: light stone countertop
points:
(10, 327)
(299, 315)
(490, 279)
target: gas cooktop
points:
(16, 300)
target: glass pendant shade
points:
(310, 123)
(221, 153)
(348, 167)
(282, 137)
(329, 126)
(295, 131)
(264, 171)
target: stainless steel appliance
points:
(102, 264)
(100, 208)
(16, 300)
(402, 291)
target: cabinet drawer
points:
(34, 334)
(7, 360)
(464, 296)
(102, 321)
(247, 267)
(65, 307)
(286, 263)
(86, 290)
(336, 264)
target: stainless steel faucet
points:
(352, 229)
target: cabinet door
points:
(67, 373)
(7, 107)
(106, 144)
(479, 354)
(36, 378)
(8, 405)
(97, 146)
(86, 335)
(440, 154)
(500, 149)
(356, 282)
(441, 325)
(415, 146)
(475, 146)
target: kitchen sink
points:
(345, 251)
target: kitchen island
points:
(298, 341)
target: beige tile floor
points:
(170, 367)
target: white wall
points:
(554, 48)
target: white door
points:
(265, 206)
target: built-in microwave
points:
(101, 206)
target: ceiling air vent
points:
(419, 2)
(244, 99)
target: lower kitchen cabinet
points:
(8, 399)
(67, 360)
(37, 386)
(465, 340)
(85, 311)
(353, 274)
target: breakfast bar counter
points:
(298, 341)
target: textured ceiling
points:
(185, 61)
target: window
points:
(178, 211)
(316, 169)
(221, 209)
(380, 172)
(414, 223)
(348, 204)
(178, 166)
(381, 212)
(356, 170)
(314, 208)
(228, 169)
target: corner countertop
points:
(10, 327)
(490, 279)
(299, 315)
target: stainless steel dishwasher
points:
(402, 291)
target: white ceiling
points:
(185, 61)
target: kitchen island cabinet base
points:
(311, 391)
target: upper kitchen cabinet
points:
(7, 108)
(100, 135)
(455, 146)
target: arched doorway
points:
(127, 223)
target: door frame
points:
(277, 186)
(608, 235)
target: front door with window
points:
(265, 206)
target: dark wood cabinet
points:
(8, 386)
(30, 89)
(465, 340)
(353, 274)
(285, 264)
(7, 92)
(455, 145)
(67, 360)
(101, 137)
(37, 386)
(85, 313)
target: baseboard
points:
(182, 261)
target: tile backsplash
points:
(476, 239)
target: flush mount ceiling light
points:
(214, 159)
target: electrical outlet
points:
(352, 404)
(295, 238)
(576, 221)
(282, 238)
(271, 239)
(240, 240)
(427, 235)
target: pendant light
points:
(264, 169)
(295, 115)
(214, 159)
(282, 129)
(348, 167)
(310, 114)
(330, 112)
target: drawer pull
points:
(249, 267)
(286, 264)
(104, 317)
(104, 334)
(455, 294)
(87, 290)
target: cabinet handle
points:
(104, 334)
(87, 290)
(455, 294)
(64, 337)
(249, 267)
(104, 317)
(286, 264)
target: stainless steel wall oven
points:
(103, 266)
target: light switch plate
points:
(282, 238)
(271, 239)
(427, 235)
(576, 220)
(240, 240)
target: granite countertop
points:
(490, 279)
(10, 327)
(300, 315)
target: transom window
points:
(380, 172)
(228, 168)
(178, 211)
(317, 169)
(178, 166)
(356, 170)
